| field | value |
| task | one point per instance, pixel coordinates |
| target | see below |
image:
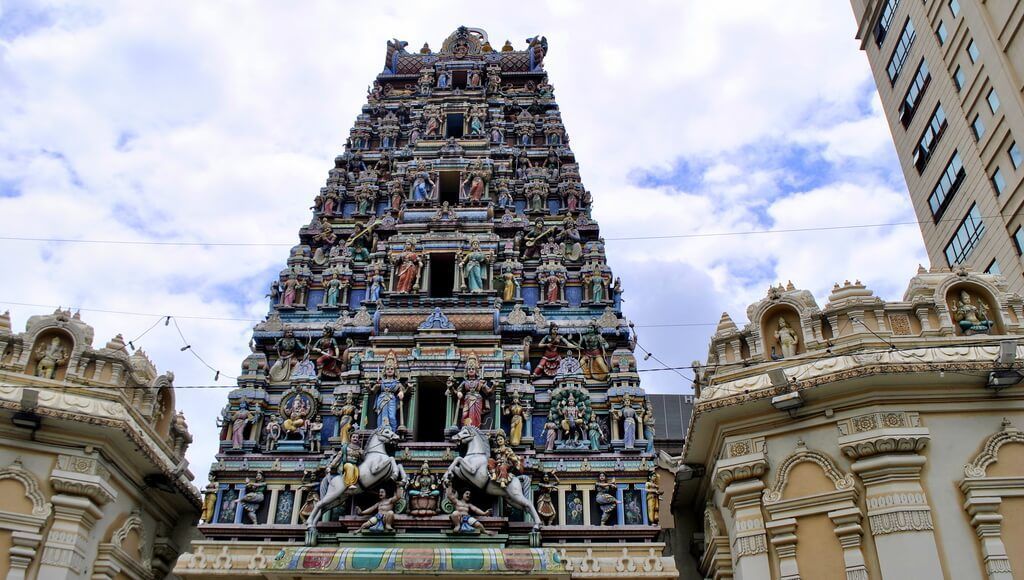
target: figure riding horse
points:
(377, 466)
(472, 467)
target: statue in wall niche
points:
(209, 500)
(239, 420)
(569, 237)
(307, 506)
(390, 393)
(972, 316)
(383, 511)
(497, 138)
(424, 492)
(443, 80)
(503, 464)
(787, 338)
(316, 426)
(396, 195)
(473, 187)
(375, 283)
(628, 415)
(546, 491)
(649, 425)
(552, 344)
(605, 497)
(596, 283)
(415, 135)
(290, 292)
(364, 201)
(51, 357)
(473, 267)
(550, 435)
(434, 123)
(346, 418)
(471, 394)
(517, 414)
(407, 269)
(595, 435)
(328, 355)
(360, 241)
(272, 431)
(332, 292)
(509, 284)
(286, 347)
(462, 518)
(422, 187)
(252, 499)
(476, 122)
(594, 360)
(572, 419)
(654, 493)
(475, 80)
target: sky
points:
(218, 122)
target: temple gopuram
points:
(445, 382)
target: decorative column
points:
(81, 488)
(737, 477)
(23, 550)
(784, 540)
(851, 535)
(988, 523)
(884, 447)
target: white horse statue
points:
(472, 467)
(376, 466)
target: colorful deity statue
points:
(594, 435)
(606, 497)
(570, 238)
(553, 344)
(286, 346)
(375, 282)
(509, 284)
(628, 415)
(383, 519)
(474, 267)
(972, 317)
(252, 499)
(407, 269)
(240, 419)
(209, 500)
(390, 392)
(332, 292)
(346, 414)
(503, 464)
(471, 394)
(654, 493)
(462, 517)
(422, 187)
(572, 421)
(594, 359)
(296, 410)
(316, 426)
(328, 355)
(424, 492)
(550, 435)
(518, 414)
(546, 492)
(272, 431)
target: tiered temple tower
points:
(447, 329)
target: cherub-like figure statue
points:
(462, 518)
(383, 519)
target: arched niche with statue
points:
(973, 309)
(781, 333)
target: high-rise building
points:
(445, 382)
(949, 76)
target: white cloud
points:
(136, 120)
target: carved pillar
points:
(784, 540)
(81, 489)
(23, 550)
(988, 523)
(738, 478)
(850, 533)
(884, 448)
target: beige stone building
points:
(861, 439)
(949, 76)
(93, 478)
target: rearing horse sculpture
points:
(376, 466)
(472, 467)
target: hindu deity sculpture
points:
(346, 414)
(290, 291)
(517, 414)
(442, 80)
(569, 237)
(503, 463)
(594, 435)
(476, 122)
(407, 269)
(390, 392)
(594, 359)
(462, 518)
(296, 411)
(649, 425)
(972, 317)
(328, 355)
(552, 283)
(316, 426)
(306, 509)
(546, 492)
(606, 497)
(241, 418)
(383, 511)
(471, 394)
(533, 238)
(253, 497)
(473, 265)
(475, 80)
(209, 500)
(51, 357)
(654, 493)
(552, 344)
(359, 242)
(375, 283)
(286, 346)
(628, 415)
(434, 123)
(422, 187)
(272, 431)
(787, 338)
(572, 421)
(497, 137)
(509, 284)
(473, 187)
(424, 492)
(550, 435)
(364, 200)
(332, 292)
(596, 283)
